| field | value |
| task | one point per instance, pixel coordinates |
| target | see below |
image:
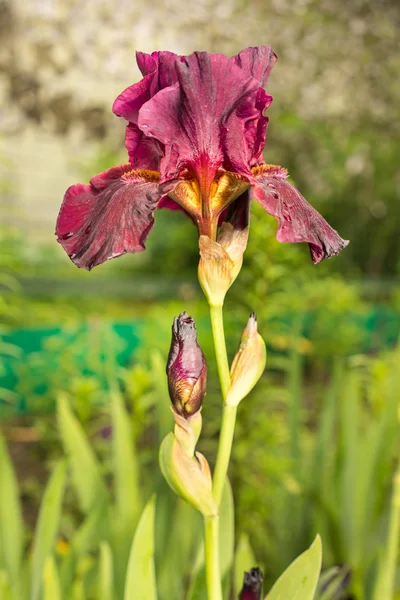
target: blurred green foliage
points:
(306, 460)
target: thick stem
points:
(224, 451)
(208, 226)
(217, 325)
(213, 576)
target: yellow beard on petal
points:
(229, 187)
(145, 174)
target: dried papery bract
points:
(221, 261)
(187, 471)
(248, 364)
(252, 585)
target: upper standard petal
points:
(257, 62)
(192, 117)
(158, 71)
(109, 217)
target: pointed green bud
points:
(248, 364)
(187, 472)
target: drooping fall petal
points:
(109, 217)
(298, 220)
(193, 118)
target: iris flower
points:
(195, 136)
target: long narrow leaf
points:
(300, 580)
(47, 526)
(105, 577)
(244, 561)
(84, 466)
(85, 539)
(141, 577)
(51, 581)
(126, 468)
(11, 526)
(226, 529)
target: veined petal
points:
(192, 117)
(144, 152)
(257, 62)
(159, 71)
(298, 220)
(109, 217)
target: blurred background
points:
(317, 443)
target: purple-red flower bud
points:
(252, 585)
(186, 367)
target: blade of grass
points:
(11, 524)
(86, 539)
(141, 577)
(47, 526)
(51, 581)
(386, 577)
(244, 561)
(84, 466)
(105, 577)
(126, 468)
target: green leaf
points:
(84, 466)
(299, 581)
(179, 547)
(51, 581)
(226, 529)
(126, 469)
(141, 577)
(11, 525)
(85, 539)
(47, 526)
(5, 591)
(244, 561)
(105, 577)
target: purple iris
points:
(195, 136)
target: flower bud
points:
(186, 471)
(221, 260)
(186, 367)
(252, 585)
(248, 364)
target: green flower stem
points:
(224, 451)
(229, 412)
(217, 325)
(213, 571)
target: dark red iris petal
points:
(158, 71)
(144, 152)
(257, 62)
(298, 220)
(192, 118)
(109, 217)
